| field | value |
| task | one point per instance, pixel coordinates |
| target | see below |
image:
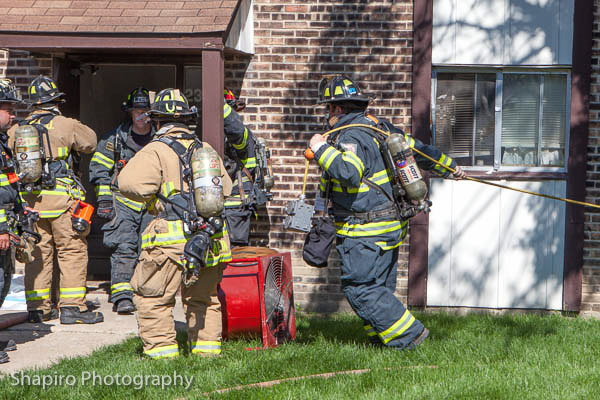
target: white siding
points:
(502, 32)
(495, 248)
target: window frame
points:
(500, 71)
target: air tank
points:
(408, 170)
(207, 183)
(27, 153)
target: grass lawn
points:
(477, 356)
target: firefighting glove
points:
(106, 209)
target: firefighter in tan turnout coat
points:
(53, 196)
(182, 242)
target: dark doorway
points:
(103, 88)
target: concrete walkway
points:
(41, 345)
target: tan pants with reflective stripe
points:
(70, 246)
(200, 303)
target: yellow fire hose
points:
(310, 155)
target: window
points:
(502, 119)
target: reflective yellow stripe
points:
(370, 229)
(2, 216)
(121, 287)
(102, 160)
(163, 351)
(327, 157)
(249, 162)
(226, 110)
(72, 292)
(51, 213)
(398, 328)
(174, 235)
(40, 294)
(134, 205)
(233, 201)
(410, 140)
(63, 152)
(4, 180)
(353, 159)
(389, 245)
(370, 330)
(244, 141)
(103, 190)
(378, 178)
(168, 188)
(206, 346)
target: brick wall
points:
(591, 264)
(22, 67)
(296, 43)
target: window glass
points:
(465, 117)
(533, 118)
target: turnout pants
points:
(155, 282)
(369, 273)
(123, 236)
(70, 247)
(6, 271)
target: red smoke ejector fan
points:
(256, 296)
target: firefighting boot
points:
(10, 345)
(72, 315)
(38, 316)
(3, 357)
(124, 306)
(419, 339)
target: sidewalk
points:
(41, 345)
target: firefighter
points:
(54, 192)
(241, 166)
(128, 218)
(10, 201)
(368, 225)
(177, 246)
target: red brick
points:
(103, 12)
(217, 12)
(174, 28)
(130, 4)
(168, 21)
(89, 4)
(134, 28)
(195, 20)
(171, 5)
(79, 20)
(57, 28)
(27, 11)
(52, 4)
(65, 12)
(178, 13)
(96, 28)
(13, 3)
(140, 13)
(118, 20)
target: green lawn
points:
(477, 356)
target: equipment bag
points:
(320, 238)
(318, 242)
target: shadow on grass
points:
(347, 328)
(445, 326)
